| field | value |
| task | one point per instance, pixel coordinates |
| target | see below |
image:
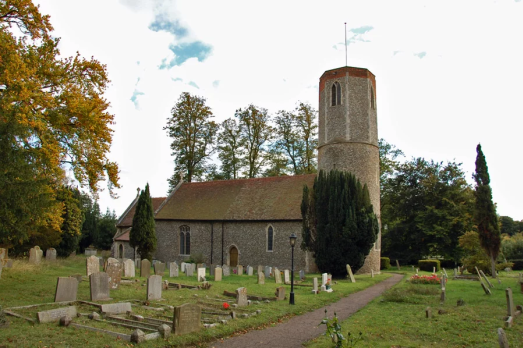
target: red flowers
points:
(225, 305)
(432, 279)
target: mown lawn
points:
(397, 319)
(27, 284)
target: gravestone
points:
(90, 252)
(54, 315)
(302, 274)
(502, 338)
(239, 270)
(129, 268)
(434, 270)
(99, 285)
(116, 308)
(188, 270)
(260, 269)
(211, 270)
(445, 272)
(201, 274)
(315, 285)
(145, 270)
(218, 274)
(35, 255)
(114, 271)
(261, 278)
(186, 319)
(50, 254)
(173, 269)
(159, 268)
(154, 287)
(417, 270)
(226, 270)
(350, 274)
(488, 281)
(66, 289)
(267, 271)
(250, 270)
(182, 267)
(372, 273)
(286, 277)
(194, 268)
(280, 293)
(109, 261)
(92, 265)
(398, 265)
(510, 303)
(277, 276)
(455, 272)
(241, 297)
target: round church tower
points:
(348, 135)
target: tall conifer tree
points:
(143, 234)
(485, 211)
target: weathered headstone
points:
(99, 285)
(350, 274)
(302, 274)
(92, 265)
(218, 274)
(189, 270)
(145, 269)
(66, 289)
(165, 331)
(324, 279)
(428, 312)
(201, 274)
(129, 270)
(173, 269)
(239, 270)
(35, 255)
(267, 271)
(261, 278)
(277, 276)
(138, 336)
(182, 267)
(50, 254)
(116, 308)
(154, 287)
(159, 268)
(510, 303)
(241, 297)
(417, 270)
(315, 285)
(109, 261)
(250, 270)
(226, 270)
(286, 277)
(187, 319)
(280, 293)
(372, 273)
(502, 338)
(486, 279)
(54, 315)
(114, 271)
(398, 265)
(260, 269)
(90, 252)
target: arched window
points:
(185, 240)
(270, 238)
(120, 251)
(336, 94)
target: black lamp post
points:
(292, 239)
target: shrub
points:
(449, 264)
(518, 265)
(428, 265)
(384, 263)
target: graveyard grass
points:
(397, 319)
(26, 284)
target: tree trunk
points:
(493, 267)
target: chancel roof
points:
(126, 220)
(272, 198)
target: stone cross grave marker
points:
(261, 278)
(66, 289)
(315, 285)
(398, 265)
(239, 270)
(226, 270)
(129, 270)
(92, 265)
(277, 276)
(189, 270)
(187, 319)
(350, 274)
(159, 268)
(241, 297)
(280, 293)
(99, 285)
(145, 269)
(173, 269)
(50, 254)
(250, 270)
(154, 287)
(302, 274)
(35, 255)
(286, 277)
(218, 274)
(260, 269)
(267, 271)
(114, 271)
(201, 274)
(54, 315)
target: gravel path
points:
(303, 328)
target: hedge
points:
(428, 265)
(384, 263)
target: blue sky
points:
(449, 73)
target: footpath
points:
(305, 327)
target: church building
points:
(249, 221)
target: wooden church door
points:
(233, 257)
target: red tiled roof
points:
(127, 220)
(124, 237)
(273, 198)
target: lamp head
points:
(292, 239)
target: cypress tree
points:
(485, 211)
(143, 235)
(339, 225)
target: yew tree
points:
(143, 231)
(53, 117)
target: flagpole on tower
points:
(346, 44)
